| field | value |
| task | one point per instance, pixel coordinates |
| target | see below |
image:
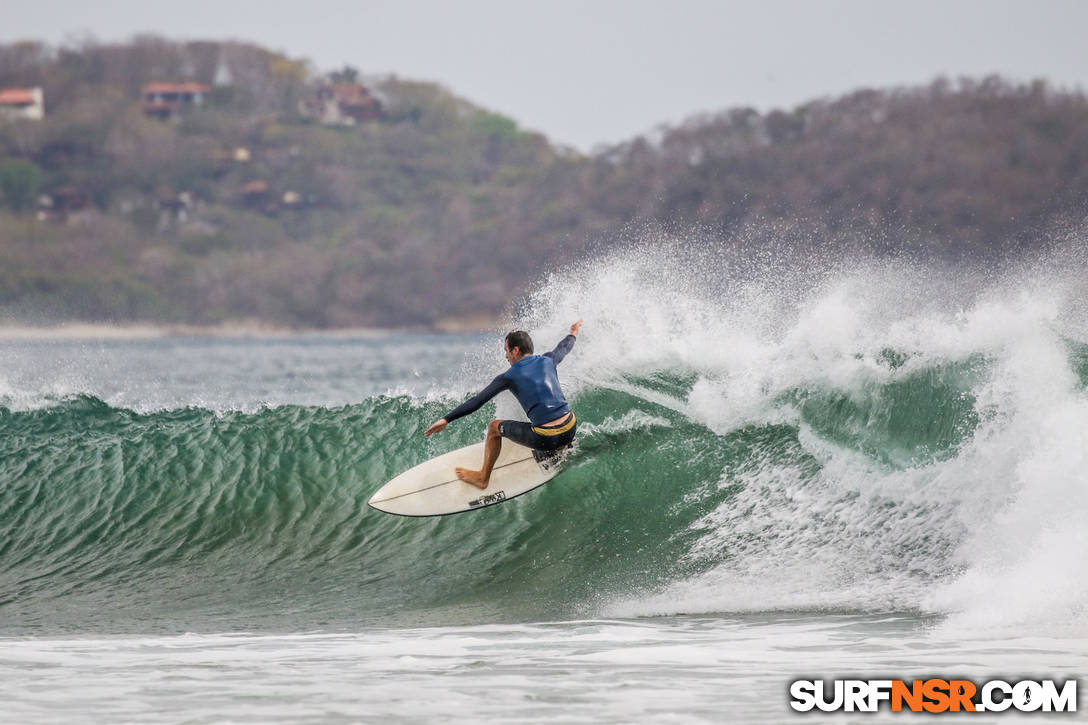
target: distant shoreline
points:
(13, 332)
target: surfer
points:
(533, 381)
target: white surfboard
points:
(433, 489)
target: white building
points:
(22, 103)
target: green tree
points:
(19, 182)
(495, 126)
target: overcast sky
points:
(602, 71)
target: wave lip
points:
(933, 449)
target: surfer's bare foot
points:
(476, 478)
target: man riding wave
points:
(534, 382)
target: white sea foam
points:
(992, 534)
(679, 670)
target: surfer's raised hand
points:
(575, 328)
(437, 427)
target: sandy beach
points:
(145, 331)
(243, 329)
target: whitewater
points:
(783, 470)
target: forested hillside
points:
(247, 203)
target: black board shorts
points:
(542, 438)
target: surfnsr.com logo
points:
(934, 695)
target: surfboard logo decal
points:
(487, 500)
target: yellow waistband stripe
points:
(556, 431)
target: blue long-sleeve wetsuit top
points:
(533, 381)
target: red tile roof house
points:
(22, 103)
(165, 100)
(342, 104)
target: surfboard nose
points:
(375, 501)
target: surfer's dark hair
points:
(521, 340)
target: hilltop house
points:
(165, 100)
(341, 104)
(22, 103)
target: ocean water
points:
(880, 472)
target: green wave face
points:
(192, 519)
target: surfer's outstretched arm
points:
(469, 406)
(565, 344)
